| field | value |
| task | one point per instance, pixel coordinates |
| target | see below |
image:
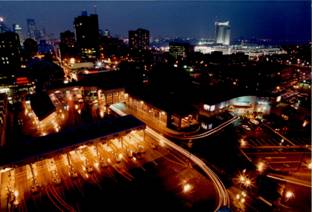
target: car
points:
(254, 121)
(246, 127)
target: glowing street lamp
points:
(241, 197)
(310, 165)
(72, 60)
(243, 142)
(289, 195)
(187, 188)
(247, 183)
(244, 180)
(261, 166)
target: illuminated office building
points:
(223, 31)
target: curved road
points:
(224, 200)
(212, 131)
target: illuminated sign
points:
(22, 80)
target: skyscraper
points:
(87, 35)
(68, 44)
(3, 26)
(18, 30)
(9, 52)
(31, 29)
(139, 40)
(106, 33)
(223, 31)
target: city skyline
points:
(195, 106)
(283, 20)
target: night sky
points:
(282, 20)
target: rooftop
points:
(40, 147)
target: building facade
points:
(238, 105)
(32, 30)
(18, 30)
(87, 36)
(223, 33)
(10, 58)
(68, 44)
(180, 49)
(139, 40)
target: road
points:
(48, 182)
(222, 192)
(212, 131)
(158, 126)
(291, 180)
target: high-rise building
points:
(179, 49)
(41, 34)
(3, 26)
(18, 30)
(68, 44)
(106, 33)
(30, 49)
(139, 40)
(31, 29)
(10, 58)
(223, 31)
(45, 48)
(87, 35)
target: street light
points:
(305, 123)
(72, 60)
(310, 165)
(247, 182)
(261, 166)
(244, 180)
(289, 195)
(243, 142)
(187, 187)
